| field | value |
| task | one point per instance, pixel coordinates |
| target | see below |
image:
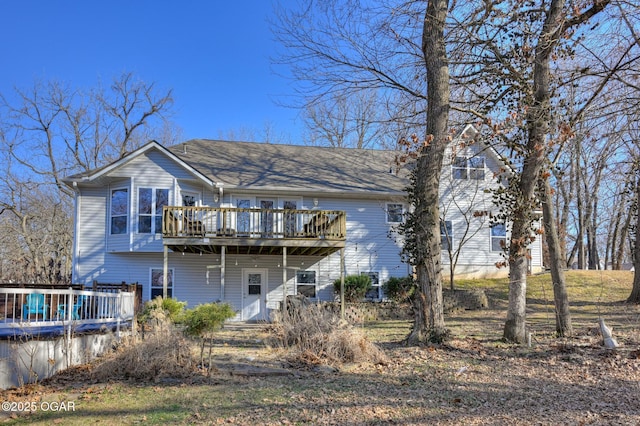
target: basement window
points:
(157, 275)
(375, 292)
(306, 283)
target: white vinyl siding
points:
(92, 232)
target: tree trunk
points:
(579, 211)
(560, 297)
(537, 118)
(622, 240)
(514, 327)
(634, 297)
(427, 183)
(592, 228)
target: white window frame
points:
(388, 211)
(375, 283)
(126, 215)
(315, 282)
(158, 285)
(462, 168)
(493, 237)
(154, 213)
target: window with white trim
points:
(498, 237)
(395, 213)
(150, 203)
(468, 168)
(376, 289)
(156, 276)
(306, 283)
(119, 211)
(446, 234)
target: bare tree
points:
(344, 121)
(516, 44)
(50, 131)
(399, 52)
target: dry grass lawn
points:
(474, 379)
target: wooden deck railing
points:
(23, 308)
(225, 222)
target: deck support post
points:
(165, 272)
(342, 283)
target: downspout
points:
(76, 232)
(165, 271)
(220, 195)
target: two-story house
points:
(248, 223)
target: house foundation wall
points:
(30, 361)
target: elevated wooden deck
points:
(253, 231)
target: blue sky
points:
(215, 55)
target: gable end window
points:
(395, 213)
(150, 203)
(468, 168)
(119, 211)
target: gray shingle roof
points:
(301, 168)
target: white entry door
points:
(254, 284)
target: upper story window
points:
(468, 168)
(119, 211)
(150, 203)
(498, 237)
(395, 213)
(446, 234)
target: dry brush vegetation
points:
(472, 379)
